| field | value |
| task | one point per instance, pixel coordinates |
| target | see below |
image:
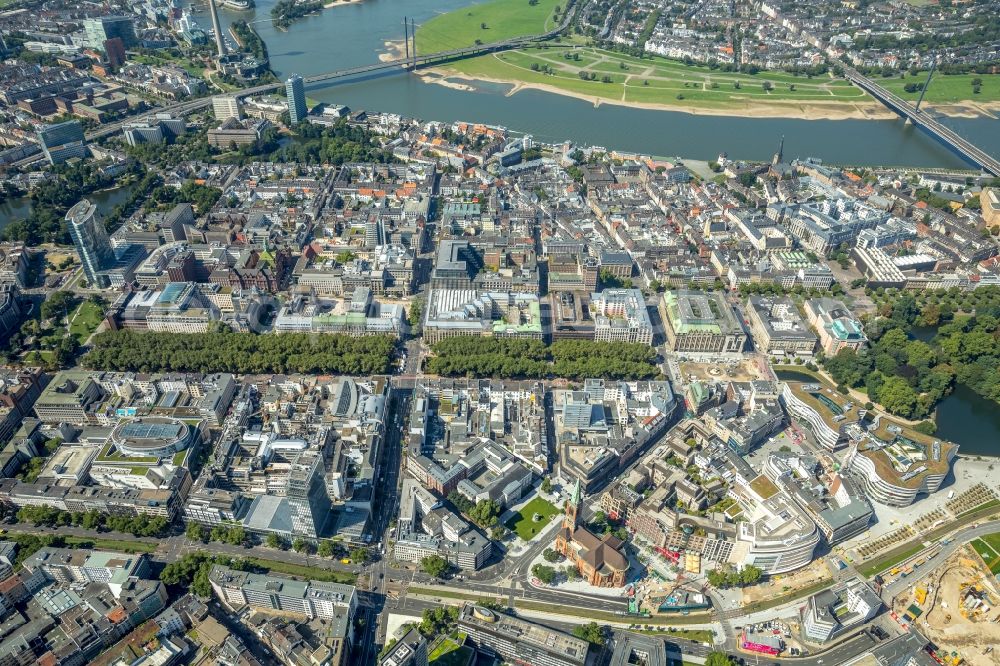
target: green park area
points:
(575, 67)
(487, 22)
(946, 88)
(988, 548)
(85, 320)
(599, 73)
(524, 523)
(193, 68)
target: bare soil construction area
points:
(961, 609)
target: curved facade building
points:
(152, 436)
(895, 468)
(822, 409)
(778, 535)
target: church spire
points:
(573, 508)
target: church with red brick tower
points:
(600, 560)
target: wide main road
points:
(958, 539)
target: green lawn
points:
(312, 573)
(985, 506)
(503, 19)
(113, 544)
(988, 548)
(450, 651)
(893, 557)
(85, 320)
(523, 521)
(947, 88)
(652, 80)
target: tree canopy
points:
(434, 565)
(592, 632)
(512, 358)
(241, 353)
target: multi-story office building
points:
(226, 107)
(69, 398)
(63, 141)
(410, 650)
(308, 501)
(233, 131)
(86, 228)
(102, 28)
(66, 565)
(895, 468)
(114, 49)
(699, 321)
(518, 641)
(777, 326)
(455, 312)
(837, 328)
(312, 599)
(620, 316)
(878, 267)
(295, 91)
(832, 612)
(10, 309)
(825, 412)
(839, 509)
(779, 537)
(163, 128)
(455, 266)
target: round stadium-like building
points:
(152, 436)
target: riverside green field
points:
(947, 88)
(573, 66)
(654, 80)
(502, 19)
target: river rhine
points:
(354, 34)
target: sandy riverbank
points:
(394, 50)
(807, 111)
(869, 110)
(338, 3)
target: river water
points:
(963, 417)
(354, 34)
(105, 200)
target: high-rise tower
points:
(295, 91)
(86, 228)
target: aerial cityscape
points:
(473, 333)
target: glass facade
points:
(91, 240)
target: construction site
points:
(957, 607)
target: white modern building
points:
(620, 316)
